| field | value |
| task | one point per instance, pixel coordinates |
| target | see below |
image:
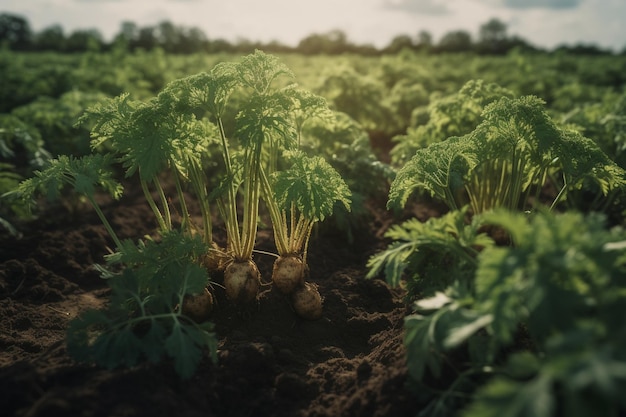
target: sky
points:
(543, 23)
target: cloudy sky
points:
(544, 23)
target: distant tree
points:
(366, 49)
(15, 32)
(333, 42)
(146, 38)
(82, 40)
(275, 46)
(245, 46)
(192, 40)
(51, 38)
(424, 41)
(219, 45)
(168, 36)
(582, 49)
(492, 37)
(521, 45)
(399, 43)
(128, 36)
(455, 41)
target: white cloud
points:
(428, 7)
(546, 4)
(533, 4)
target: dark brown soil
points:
(271, 363)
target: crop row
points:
(522, 278)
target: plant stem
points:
(152, 204)
(186, 218)
(251, 201)
(198, 184)
(278, 217)
(228, 209)
(164, 204)
(104, 221)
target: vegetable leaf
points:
(312, 185)
(439, 169)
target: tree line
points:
(16, 34)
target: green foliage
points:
(510, 154)
(143, 320)
(604, 121)
(21, 152)
(55, 119)
(21, 145)
(311, 185)
(558, 291)
(24, 78)
(82, 174)
(174, 139)
(206, 91)
(447, 116)
(9, 180)
(430, 255)
(439, 169)
(259, 70)
(344, 144)
(360, 96)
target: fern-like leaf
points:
(439, 169)
(312, 185)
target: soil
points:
(351, 362)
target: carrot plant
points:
(506, 161)
(154, 310)
(446, 116)
(298, 198)
(539, 324)
(531, 318)
(151, 139)
(262, 127)
(175, 145)
(427, 257)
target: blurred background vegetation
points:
(492, 39)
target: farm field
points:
(461, 216)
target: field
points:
(356, 360)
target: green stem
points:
(153, 205)
(559, 195)
(228, 209)
(307, 238)
(105, 222)
(198, 184)
(186, 218)
(164, 204)
(277, 216)
(251, 202)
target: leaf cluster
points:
(82, 174)
(358, 95)
(604, 121)
(430, 255)
(311, 185)
(143, 320)
(21, 145)
(540, 322)
(509, 155)
(446, 116)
